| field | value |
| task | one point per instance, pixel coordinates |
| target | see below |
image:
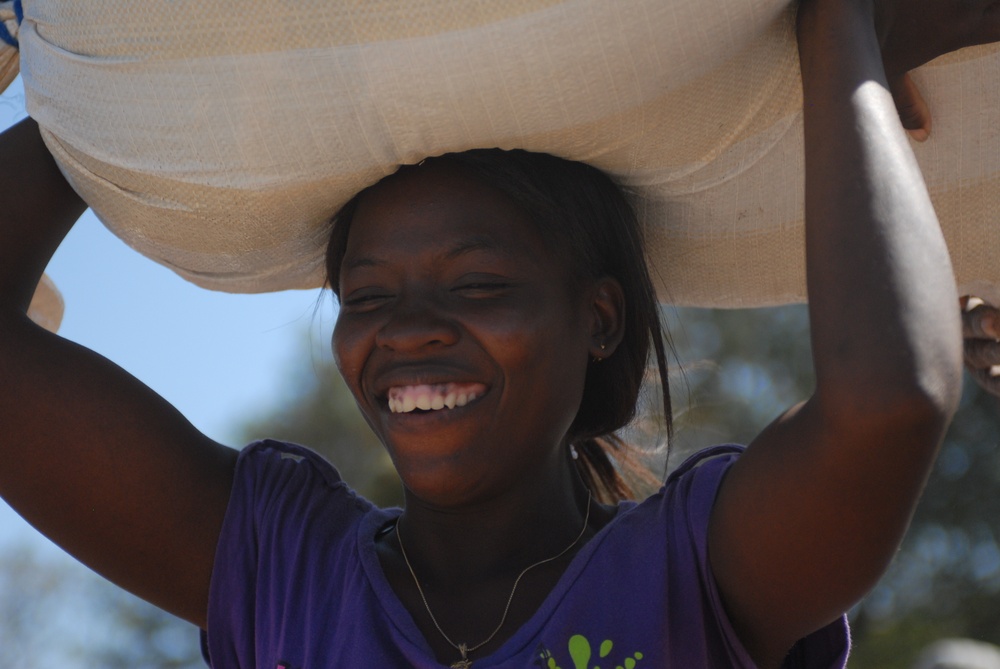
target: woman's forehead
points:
(439, 203)
(440, 180)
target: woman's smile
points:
(424, 397)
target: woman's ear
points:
(608, 318)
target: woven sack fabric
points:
(218, 137)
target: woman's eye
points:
(483, 287)
(365, 299)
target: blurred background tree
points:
(56, 613)
(739, 370)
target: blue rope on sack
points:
(5, 35)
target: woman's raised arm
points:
(89, 455)
(810, 517)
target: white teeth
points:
(464, 398)
(404, 399)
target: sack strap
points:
(9, 25)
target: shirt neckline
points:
(400, 617)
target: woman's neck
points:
(498, 535)
(484, 569)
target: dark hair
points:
(584, 215)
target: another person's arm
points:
(981, 328)
(809, 518)
(89, 455)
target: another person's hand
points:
(913, 32)
(981, 330)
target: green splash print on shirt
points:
(581, 652)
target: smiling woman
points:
(495, 328)
(524, 228)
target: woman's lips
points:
(433, 397)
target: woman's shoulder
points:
(690, 488)
(721, 456)
(653, 557)
(276, 474)
(273, 454)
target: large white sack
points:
(218, 137)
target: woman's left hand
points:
(907, 43)
(981, 331)
(912, 33)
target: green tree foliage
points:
(738, 370)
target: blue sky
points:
(216, 357)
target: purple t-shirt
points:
(297, 583)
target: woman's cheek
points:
(348, 345)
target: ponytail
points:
(610, 484)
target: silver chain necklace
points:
(463, 649)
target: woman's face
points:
(463, 337)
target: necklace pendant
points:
(464, 663)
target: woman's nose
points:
(415, 325)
